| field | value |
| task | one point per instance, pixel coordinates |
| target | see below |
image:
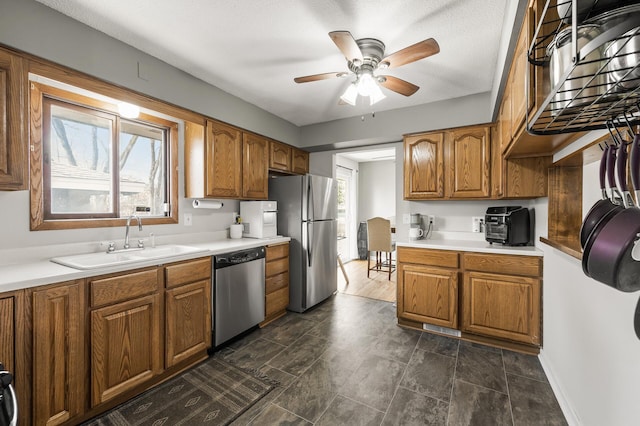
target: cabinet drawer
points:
(277, 252)
(188, 272)
(444, 258)
(276, 282)
(276, 301)
(276, 267)
(123, 287)
(503, 264)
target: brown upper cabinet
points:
(255, 162)
(465, 155)
(287, 159)
(279, 156)
(300, 161)
(223, 162)
(525, 90)
(13, 132)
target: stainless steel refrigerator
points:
(307, 210)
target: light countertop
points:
(471, 245)
(28, 274)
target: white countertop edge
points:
(32, 274)
(472, 245)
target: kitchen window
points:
(92, 167)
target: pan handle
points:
(621, 172)
(611, 162)
(603, 172)
(634, 165)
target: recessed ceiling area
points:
(254, 49)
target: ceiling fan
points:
(365, 57)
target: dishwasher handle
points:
(238, 257)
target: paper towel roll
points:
(207, 204)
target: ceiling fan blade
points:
(316, 77)
(412, 53)
(399, 86)
(347, 45)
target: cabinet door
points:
(518, 80)
(126, 347)
(223, 161)
(299, 161)
(58, 353)
(13, 135)
(255, 175)
(502, 306)
(504, 120)
(469, 161)
(7, 332)
(279, 156)
(428, 295)
(423, 166)
(497, 166)
(188, 321)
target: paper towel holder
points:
(207, 204)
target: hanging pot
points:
(604, 206)
(610, 260)
(607, 214)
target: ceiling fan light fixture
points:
(351, 94)
(376, 95)
(366, 84)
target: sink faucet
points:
(126, 235)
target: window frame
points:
(38, 221)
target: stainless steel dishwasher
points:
(238, 289)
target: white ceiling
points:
(254, 49)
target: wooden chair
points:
(379, 240)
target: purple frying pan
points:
(609, 260)
(607, 214)
(602, 207)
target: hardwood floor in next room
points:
(377, 286)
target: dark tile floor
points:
(346, 362)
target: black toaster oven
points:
(509, 225)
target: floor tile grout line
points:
(395, 392)
(504, 369)
(453, 384)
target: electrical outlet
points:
(431, 219)
(477, 223)
(188, 219)
(406, 219)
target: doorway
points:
(366, 189)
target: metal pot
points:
(581, 87)
(623, 51)
(584, 7)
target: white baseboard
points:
(569, 414)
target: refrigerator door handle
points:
(310, 211)
(309, 239)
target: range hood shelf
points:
(583, 111)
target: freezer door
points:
(320, 199)
(320, 260)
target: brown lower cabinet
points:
(498, 302)
(58, 391)
(125, 333)
(276, 282)
(79, 348)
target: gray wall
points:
(376, 189)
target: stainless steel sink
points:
(103, 260)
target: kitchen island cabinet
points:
(187, 310)
(125, 331)
(499, 301)
(58, 388)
